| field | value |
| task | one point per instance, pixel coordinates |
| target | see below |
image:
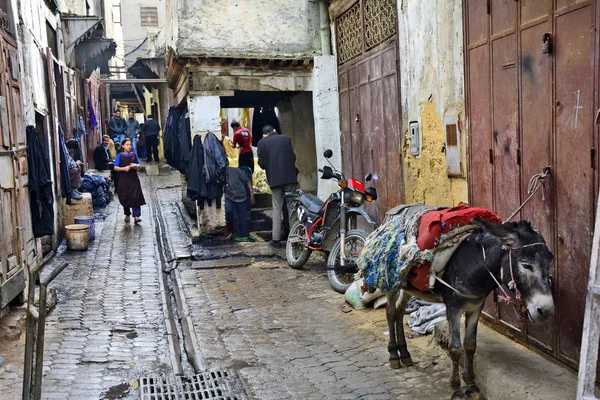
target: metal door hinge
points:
(489, 7)
(593, 158)
(491, 156)
(518, 156)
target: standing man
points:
(133, 130)
(102, 158)
(117, 127)
(151, 130)
(242, 138)
(277, 157)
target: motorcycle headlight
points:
(357, 197)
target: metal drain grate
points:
(212, 385)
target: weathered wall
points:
(432, 88)
(326, 109)
(81, 7)
(136, 41)
(251, 28)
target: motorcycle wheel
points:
(295, 249)
(341, 279)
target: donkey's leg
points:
(391, 315)
(454, 348)
(401, 338)
(470, 345)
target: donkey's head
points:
(531, 260)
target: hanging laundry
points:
(185, 141)
(65, 183)
(93, 119)
(40, 185)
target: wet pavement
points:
(283, 331)
(108, 327)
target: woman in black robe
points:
(130, 188)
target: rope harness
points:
(535, 183)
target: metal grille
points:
(149, 16)
(213, 385)
(381, 22)
(451, 136)
(349, 33)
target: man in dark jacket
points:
(277, 157)
(102, 160)
(117, 127)
(151, 130)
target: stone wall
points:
(246, 29)
(432, 89)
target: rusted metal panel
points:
(505, 140)
(534, 10)
(536, 144)
(574, 176)
(504, 15)
(562, 4)
(478, 21)
(12, 287)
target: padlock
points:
(546, 44)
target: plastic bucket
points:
(77, 236)
(89, 221)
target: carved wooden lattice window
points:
(349, 34)
(363, 26)
(380, 21)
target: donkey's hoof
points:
(395, 364)
(455, 384)
(406, 361)
(474, 393)
(457, 395)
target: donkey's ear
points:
(506, 234)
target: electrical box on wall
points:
(415, 138)
(454, 165)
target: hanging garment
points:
(93, 119)
(40, 185)
(185, 141)
(197, 189)
(215, 168)
(171, 147)
(261, 117)
(65, 183)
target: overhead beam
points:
(134, 81)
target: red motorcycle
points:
(322, 226)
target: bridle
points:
(518, 304)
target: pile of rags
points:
(391, 251)
(98, 186)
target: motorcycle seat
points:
(312, 203)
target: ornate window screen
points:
(376, 18)
(349, 32)
(380, 21)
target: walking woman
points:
(130, 188)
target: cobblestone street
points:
(283, 331)
(108, 327)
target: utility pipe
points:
(325, 29)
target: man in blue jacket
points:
(277, 157)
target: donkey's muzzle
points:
(540, 307)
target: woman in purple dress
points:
(130, 188)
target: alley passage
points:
(108, 327)
(281, 330)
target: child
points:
(129, 188)
(235, 202)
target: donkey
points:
(513, 254)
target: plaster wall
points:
(81, 7)
(136, 38)
(432, 88)
(326, 110)
(251, 28)
(113, 17)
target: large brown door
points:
(370, 98)
(531, 105)
(17, 245)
